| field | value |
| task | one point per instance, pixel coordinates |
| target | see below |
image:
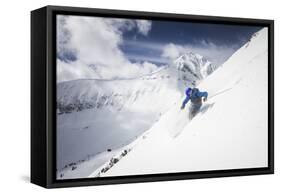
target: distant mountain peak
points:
(193, 65)
(191, 55)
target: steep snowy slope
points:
(230, 131)
(95, 116)
(98, 117)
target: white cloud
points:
(172, 51)
(144, 26)
(217, 54)
(169, 52)
(152, 59)
(95, 41)
(69, 71)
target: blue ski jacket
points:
(193, 94)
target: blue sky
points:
(149, 47)
(124, 48)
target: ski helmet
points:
(188, 91)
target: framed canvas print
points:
(126, 96)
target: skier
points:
(195, 96)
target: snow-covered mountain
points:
(77, 95)
(97, 118)
(83, 94)
(194, 66)
(230, 131)
(96, 115)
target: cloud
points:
(144, 26)
(151, 59)
(68, 71)
(165, 53)
(217, 54)
(84, 42)
(172, 51)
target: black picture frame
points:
(43, 96)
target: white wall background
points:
(15, 95)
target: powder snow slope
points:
(98, 117)
(230, 132)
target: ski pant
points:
(194, 109)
